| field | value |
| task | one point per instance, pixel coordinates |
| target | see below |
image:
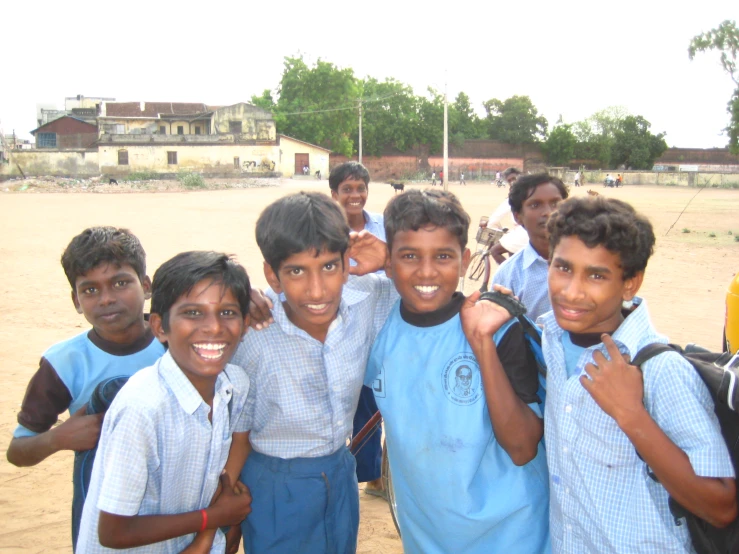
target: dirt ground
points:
(686, 285)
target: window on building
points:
(180, 130)
(162, 130)
(234, 127)
(172, 158)
(197, 130)
(46, 140)
(237, 163)
(122, 157)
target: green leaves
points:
(560, 145)
(515, 120)
(725, 39)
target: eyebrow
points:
(589, 268)
(446, 249)
(288, 267)
(119, 275)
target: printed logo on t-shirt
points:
(378, 385)
(461, 380)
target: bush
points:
(141, 176)
(191, 180)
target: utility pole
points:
(360, 130)
(446, 142)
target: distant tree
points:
(635, 146)
(389, 116)
(316, 104)
(560, 145)
(515, 120)
(725, 39)
(596, 135)
(464, 123)
(431, 120)
(265, 101)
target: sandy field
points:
(685, 284)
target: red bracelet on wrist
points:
(204, 526)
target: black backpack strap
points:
(650, 351)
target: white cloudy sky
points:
(571, 57)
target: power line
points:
(343, 108)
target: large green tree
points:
(635, 146)
(316, 104)
(515, 120)
(596, 135)
(725, 39)
(464, 123)
(560, 145)
(390, 116)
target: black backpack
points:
(723, 384)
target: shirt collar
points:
(531, 256)
(374, 223)
(184, 391)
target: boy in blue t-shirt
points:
(456, 386)
(106, 268)
(609, 424)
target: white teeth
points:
(210, 346)
(426, 289)
(316, 306)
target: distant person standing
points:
(461, 179)
(577, 179)
(441, 178)
(498, 180)
(433, 178)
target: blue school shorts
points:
(302, 505)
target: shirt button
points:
(564, 449)
(340, 422)
(567, 490)
(568, 409)
(569, 527)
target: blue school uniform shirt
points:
(80, 364)
(304, 393)
(159, 454)
(602, 499)
(525, 273)
(456, 489)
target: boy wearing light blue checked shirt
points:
(608, 423)
(305, 372)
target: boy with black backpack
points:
(613, 427)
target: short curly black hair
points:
(415, 209)
(607, 222)
(526, 185)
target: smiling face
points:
(425, 266)
(203, 331)
(534, 214)
(312, 285)
(351, 194)
(587, 287)
(111, 297)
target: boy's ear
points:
(76, 302)
(632, 286)
(517, 218)
(155, 322)
(466, 256)
(247, 322)
(272, 279)
(335, 195)
(146, 285)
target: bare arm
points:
(230, 508)
(517, 428)
(80, 432)
(499, 253)
(618, 388)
